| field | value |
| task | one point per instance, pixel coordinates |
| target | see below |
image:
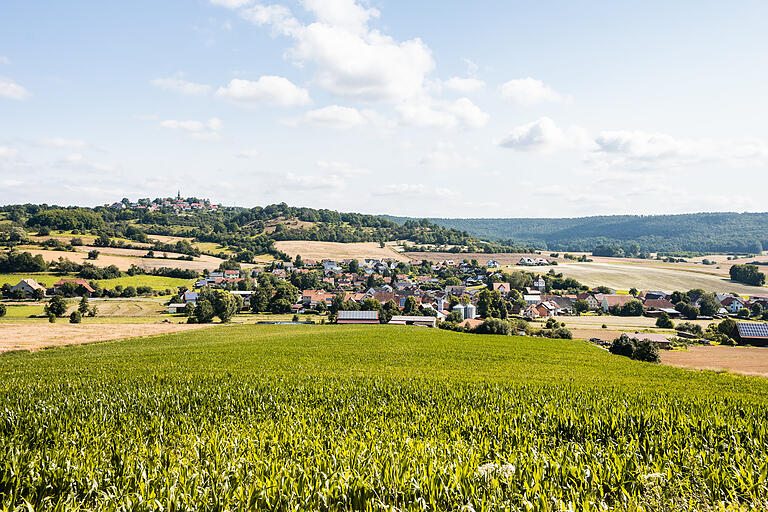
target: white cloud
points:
(342, 169)
(11, 90)
(274, 90)
(468, 114)
(6, 152)
(249, 153)
(336, 117)
(464, 85)
(350, 59)
(231, 4)
(4, 60)
(415, 190)
(280, 17)
(59, 142)
(544, 135)
(346, 14)
(445, 156)
(179, 85)
(298, 182)
(434, 114)
(199, 130)
(529, 91)
(648, 151)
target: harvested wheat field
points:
(504, 258)
(29, 336)
(744, 360)
(123, 262)
(648, 277)
(335, 250)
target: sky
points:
(449, 108)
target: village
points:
(464, 293)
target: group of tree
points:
(214, 303)
(747, 274)
(637, 349)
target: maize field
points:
(373, 418)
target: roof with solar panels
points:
(752, 331)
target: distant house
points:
(28, 287)
(653, 295)
(753, 333)
(358, 317)
(658, 304)
(564, 304)
(733, 304)
(660, 340)
(590, 299)
(190, 297)
(426, 321)
(492, 264)
(532, 299)
(610, 301)
(87, 290)
(455, 290)
(503, 288)
(540, 284)
(546, 309)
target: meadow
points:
(372, 418)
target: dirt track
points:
(744, 360)
(29, 336)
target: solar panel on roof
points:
(751, 330)
(358, 315)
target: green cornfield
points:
(373, 418)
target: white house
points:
(28, 287)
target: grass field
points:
(373, 417)
(156, 282)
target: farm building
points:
(426, 321)
(28, 287)
(753, 333)
(174, 309)
(660, 340)
(82, 285)
(358, 317)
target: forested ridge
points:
(249, 231)
(695, 232)
(254, 230)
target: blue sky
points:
(471, 109)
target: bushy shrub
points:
(664, 322)
(623, 346)
(692, 328)
(647, 351)
(493, 326)
(75, 317)
(639, 350)
(562, 333)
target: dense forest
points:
(695, 232)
